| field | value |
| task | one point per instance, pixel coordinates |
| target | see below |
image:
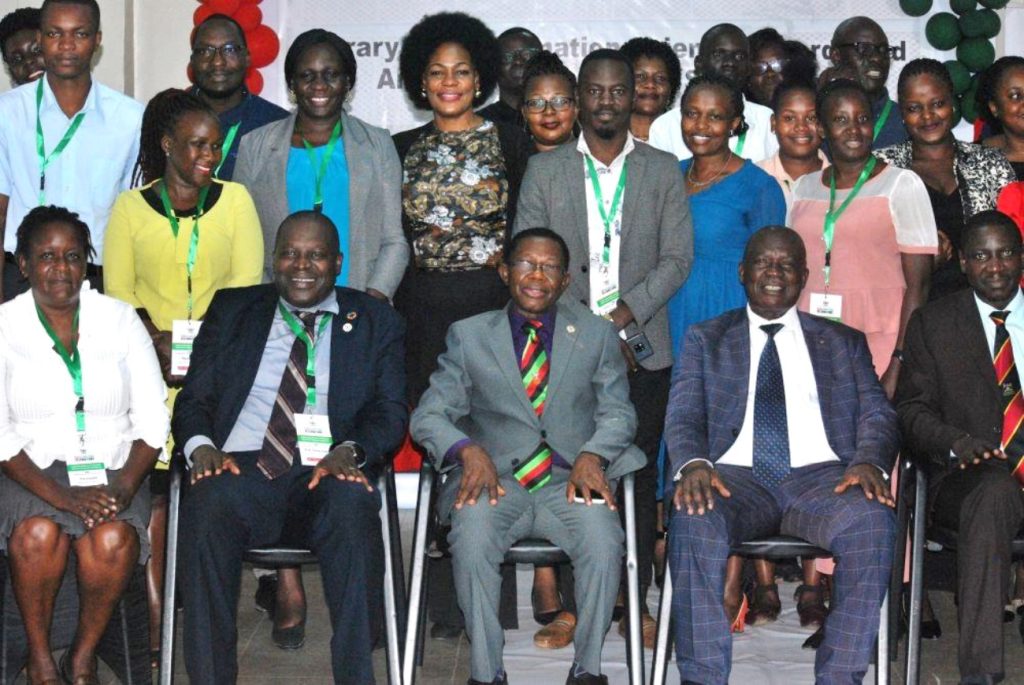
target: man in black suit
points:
(960, 405)
(295, 394)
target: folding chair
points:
(526, 551)
(278, 556)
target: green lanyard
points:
(193, 246)
(44, 160)
(609, 216)
(882, 119)
(73, 361)
(225, 149)
(318, 188)
(833, 213)
(740, 143)
(300, 331)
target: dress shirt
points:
(251, 427)
(91, 171)
(1014, 324)
(122, 385)
(667, 133)
(601, 279)
(253, 112)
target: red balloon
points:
(243, 3)
(263, 45)
(248, 17)
(227, 7)
(254, 81)
(202, 13)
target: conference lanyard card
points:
(827, 306)
(183, 333)
(607, 300)
(314, 434)
(85, 470)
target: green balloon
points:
(916, 8)
(995, 4)
(955, 119)
(962, 6)
(980, 23)
(959, 74)
(943, 31)
(976, 53)
(968, 107)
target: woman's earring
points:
(477, 93)
(423, 92)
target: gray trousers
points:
(481, 534)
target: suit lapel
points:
(500, 341)
(573, 169)
(563, 343)
(973, 335)
(736, 344)
(636, 169)
(359, 172)
(254, 330)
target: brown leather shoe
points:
(648, 629)
(558, 633)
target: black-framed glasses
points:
(559, 103)
(524, 267)
(228, 51)
(867, 49)
(761, 68)
(522, 55)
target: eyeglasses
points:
(228, 51)
(520, 55)
(865, 49)
(761, 68)
(559, 103)
(720, 55)
(524, 267)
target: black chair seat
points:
(946, 538)
(278, 556)
(779, 547)
(535, 551)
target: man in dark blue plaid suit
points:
(777, 423)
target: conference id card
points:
(607, 299)
(85, 470)
(183, 333)
(827, 306)
(314, 436)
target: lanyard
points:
(318, 187)
(193, 246)
(833, 213)
(609, 216)
(882, 119)
(44, 160)
(300, 331)
(73, 361)
(740, 143)
(225, 149)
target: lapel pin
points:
(347, 327)
(351, 316)
(570, 329)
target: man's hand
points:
(478, 472)
(373, 292)
(209, 461)
(869, 478)
(587, 477)
(971, 451)
(93, 504)
(340, 463)
(696, 488)
(621, 316)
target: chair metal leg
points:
(416, 578)
(662, 648)
(397, 565)
(390, 602)
(917, 552)
(882, 666)
(635, 646)
(170, 579)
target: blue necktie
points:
(771, 433)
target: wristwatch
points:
(358, 453)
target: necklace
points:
(701, 184)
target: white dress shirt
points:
(667, 133)
(604, 279)
(87, 176)
(1014, 324)
(121, 381)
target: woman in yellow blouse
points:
(171, 245)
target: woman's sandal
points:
(765, 607)
(812, 611)
(740, 621)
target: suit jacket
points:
(657, 232)
(366, 397)
(708, 399)
(947, 388)
(377, 251)
(477, 393)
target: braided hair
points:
(924, 66)
(162, 114)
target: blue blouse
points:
(301, 186)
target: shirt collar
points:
(581, 145)
(92, 100)
(328, 304)
(878, 105)
(516, 320)
(236, 113)
(790, 320)
(985, 309)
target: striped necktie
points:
(1013, 403)
(535, 472)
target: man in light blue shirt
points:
(89, 136)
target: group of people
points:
(752, 295)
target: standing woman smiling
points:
(1001, 104)
(549, 101)
(658, 74)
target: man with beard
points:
(725, 51)
(623, 205)
(518, 45)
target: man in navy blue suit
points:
(777, 423)
(294, 396)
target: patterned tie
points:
(535, 471)
(1013, 403)
(771, 432)
(280, 444)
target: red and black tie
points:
(535, 471)
(1013, 403)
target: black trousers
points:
(225, 515)
(986, 506)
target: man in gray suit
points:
(623, 205)
(528, 417)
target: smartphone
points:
(640, 345)
(595, 498)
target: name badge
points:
(607, 300)
(314, 434)
(85, 470)
(827, 305)
(183, 333)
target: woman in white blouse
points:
(82, 421)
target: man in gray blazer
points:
(622, 208)
(528, 418)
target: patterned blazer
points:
(707, 401)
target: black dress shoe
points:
(289, 638)
(503, 680)
(266, 594)
(586, 679)
(444, 631)
(815, 640)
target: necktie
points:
(280, 443)
(771, 432)
(1013, 403)
(535, 472)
